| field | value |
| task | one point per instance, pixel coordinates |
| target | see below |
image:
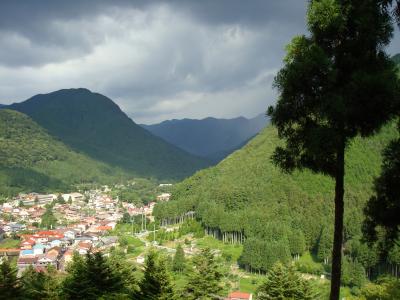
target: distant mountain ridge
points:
(93, 124)
(211, 138)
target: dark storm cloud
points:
(156, 59)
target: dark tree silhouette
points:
(336, 84)
(383, 209)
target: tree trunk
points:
(338, 235)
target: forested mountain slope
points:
(32, 160)
(93, 124)
(247, 197)
(210, 137)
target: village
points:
(84, 222)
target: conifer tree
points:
(178, 264)
(39, 285)
(156, 283)
(205, 279)
(284, 283)
(10, 287)
(91, 277)
(336, 84)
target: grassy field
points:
(228, 251)
(9, 243)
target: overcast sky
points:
(157, 59)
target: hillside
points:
(93, 124)
(31, 160)
(246, 196)
(211, 138)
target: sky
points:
(157, 60)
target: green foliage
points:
(284, 283)
(10, 243)
(32, 160)
(178, 264)
(324, 250)
(39, 285)
(336, 84)
(353, 273)
(271, 203)
(94, 125)
(191, 226)
(156, 283)
(48, 219)
(142, 191)
(93, 276)
(383, 208)
(10, 286)
(205, 278)
(386, 288)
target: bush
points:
(310, 268)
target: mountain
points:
(246, 196)
(32, 160)
(2, 106)
(210, 138)
(93, 124)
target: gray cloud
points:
(156, 59)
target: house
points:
(83, 247)
(38, 249)
(24, 262)
(164, 197)
(44, 261)
(55, 243)
(74, 197)
(109, 241)
(66, 259)
(27, 244)
(237, 295)
(17, 227)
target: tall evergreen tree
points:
(178, 264)
(205, 279)
(383, 209)
(336, 84)
(10, 286)
(156, 284)
(91, 277)
(39, 285)
(284, 283)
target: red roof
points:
(239, 295)
(104, 228)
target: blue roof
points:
(27, 252)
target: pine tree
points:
(39, 285)
(205, 279)
(10, 287)
(284, 283)
(336, 84)
(91, 277)
(178, 264)
(156, 284)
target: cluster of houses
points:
(86, 220)
(56, 247)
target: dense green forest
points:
(32, 160)
(246, 199)
(93, 124)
